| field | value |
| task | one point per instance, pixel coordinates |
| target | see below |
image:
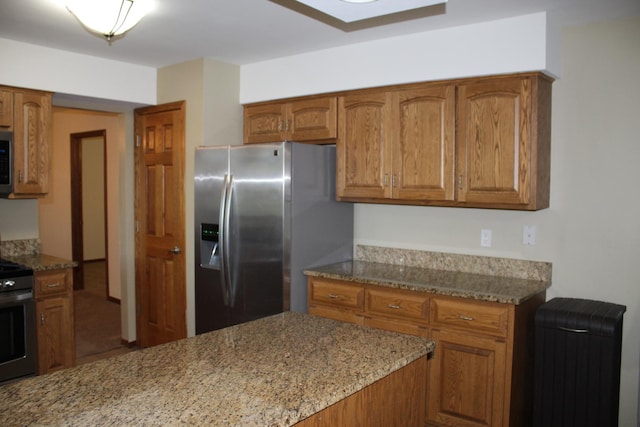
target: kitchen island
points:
(278, 371)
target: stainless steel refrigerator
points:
(263, 213)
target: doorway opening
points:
(88, 204)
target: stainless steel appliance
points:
(18, 354)
(263, 213)
(6, 163)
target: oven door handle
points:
(9, 298)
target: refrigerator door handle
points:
(226, 244)
(222, 239)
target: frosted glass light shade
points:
(108, 17)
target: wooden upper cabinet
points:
(32, 132)
(305, 120)
(264, 123)
(424, 148)
(6, 109)
(504, 142)
(397, 144)
(363, 149)
(313, 119)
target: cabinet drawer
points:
(52, 282)
(398, 304)
(337, 294)
(336, 314)
(397, 326)
(477, 316)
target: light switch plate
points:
(529, 235)
(485, 238)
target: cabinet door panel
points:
(55, 334)
(6, 109)
(494, 141)
(467, 376)
(265, 123)
(363, 149)
(313, 119)
(31, 142)
(425, 148)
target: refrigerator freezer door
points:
(211, 166)
(255, 230)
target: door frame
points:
(77, 233)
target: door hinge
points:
(137, 226)
(138, 141)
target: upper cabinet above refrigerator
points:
(312, 120)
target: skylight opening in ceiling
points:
(350, 12)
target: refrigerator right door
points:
(255, 230)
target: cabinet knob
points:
(333, 296)
(393, 306)
(463, 317)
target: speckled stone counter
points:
(274, 371)
(41, 262)
(508, 290)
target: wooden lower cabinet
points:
(397, 400)
(54, 318)
(466, 380)
(480, 373)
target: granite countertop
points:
(508, 290)
(274, 371)
(41, 262)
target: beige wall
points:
(55, 208)
(93, 209)
(214, 117)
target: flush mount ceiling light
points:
(109, 18)
(357, 10)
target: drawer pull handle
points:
(463, 317)
(395, 307)
(53, 285)
(334, 296)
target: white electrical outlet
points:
(529, 235)
(485, 238)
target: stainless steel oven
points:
(18, 353)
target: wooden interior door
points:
(160, 225)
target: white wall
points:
(591, 232)
(42, 68)
(503, 46)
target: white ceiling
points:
(246, 31)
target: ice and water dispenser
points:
(209, 249)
